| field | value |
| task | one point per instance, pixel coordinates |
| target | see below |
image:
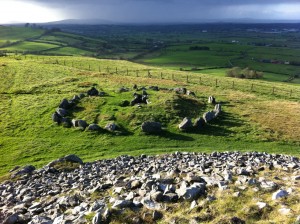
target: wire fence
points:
(250, 86)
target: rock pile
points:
(60, 116)
(207, 117)
(49, 195)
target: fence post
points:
(291, 93)
(137, 73)
(232, 84)
(216, 82)
(89, 67)
(116, 70)
(252, 87)
(273, 90)
(161, 75)
(187, 78)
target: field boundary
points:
(244, 85)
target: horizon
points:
(148, 11)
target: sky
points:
(147, 11)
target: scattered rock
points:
(261, 205)
(279, 194)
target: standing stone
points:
(199, 123)
(186, 124)
(208, 116)
(211, 100)
(56, 117)
(64, 104)
(93, 127)
(82, 124)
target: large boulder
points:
(93, 92)
(56, 117)
(25, 170)
(93, 127)
(82, 124)
(151, 127)
(191, 193)
(69, 158)
(64, 104)
(199, 123)
(209, 116)
(111, 127)
(279, 194)
(62, 112)
(66, 122)
(185, 124)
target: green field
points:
(33, 87)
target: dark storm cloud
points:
(174, 10)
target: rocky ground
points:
(229, 187)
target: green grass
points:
(33, 87)
(68, 51)
(30, 46)
(18, 33)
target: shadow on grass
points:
(220, 126)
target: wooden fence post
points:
(232, 84)
(252, 87)
(161, 75)
(216, 82)
(273, 90)
(187, 78)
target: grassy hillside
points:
(32, 88)
(28, 40)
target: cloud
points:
(173, 10)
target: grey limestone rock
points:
(185, 124)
